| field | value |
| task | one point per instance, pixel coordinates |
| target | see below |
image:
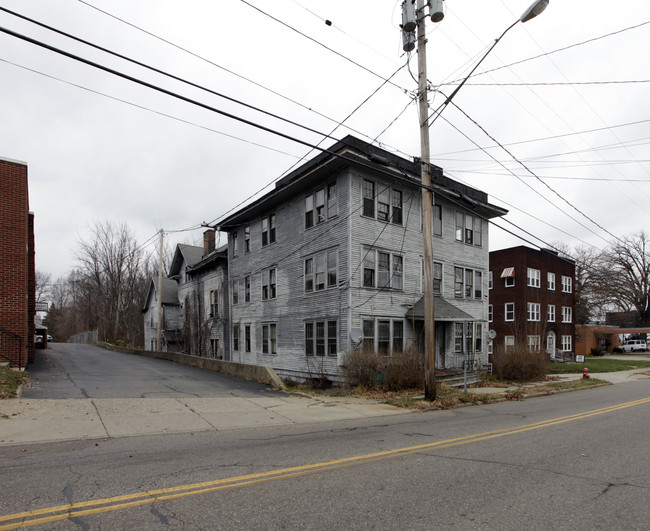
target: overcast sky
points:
(566, 95)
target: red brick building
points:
(531, 299)
(17, 268)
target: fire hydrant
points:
(585, 373)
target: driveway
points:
(68, 370)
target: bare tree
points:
(43, 286)
(628, 264)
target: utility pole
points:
(160, 275)
(427, 210)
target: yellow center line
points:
(72, 510)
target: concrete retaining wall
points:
(258, 373)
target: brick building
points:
(17, 269)
(531, 299)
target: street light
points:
(427, 196)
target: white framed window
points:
(550, 314)
(269, 284)
(490, 280)
(247, 288)
(268, 230)
(214, 303)
(510, 311)
(509, 275)
(567, 343)
(478, 341)
(247, 338)
(321, 271)
(235, 291)
(383, 335)
(469, 229)
(437, 220)
(382, 269)
(247, 239)
(533, 310)
(534, 343)
(235, 337)
(458, 337)
(269, 338)
(321, 338)
(510, 282)
(550, 281)
(490, 313)
(509, 342)
(468, 283)
(533, 277)
(321, 205)
(235, 245)
(567, 314)
(567, 284)
(385, 205)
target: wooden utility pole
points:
(427, 210)
(160, 275)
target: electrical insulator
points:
(409, 20)
(408, 40)
(435, 10)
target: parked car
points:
(49, 338)
(634, 345)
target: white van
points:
(634, 345)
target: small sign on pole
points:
(580, 359)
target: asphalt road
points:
(67, 370)
(575, 460)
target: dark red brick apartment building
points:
(531, 299)
(17, 271)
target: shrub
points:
(519, 364)
(401, 370)
(597, 352)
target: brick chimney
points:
(208, 241)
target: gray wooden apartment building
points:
(331, 259)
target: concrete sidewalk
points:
(28, 420)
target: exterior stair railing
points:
(11, 343)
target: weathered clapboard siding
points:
(292, 306)
(349, 233)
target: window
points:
(321, 205)
(490, 280)
(478, 343)
(567, 343)
(321, 271)
(534, 343)
(509, 274)
(533, 278)
(490, 313)
(268, 230)
(247, 338)
(247, 288)
(388, 201)
(214, 347)
(510, 282)
(510, 311)
(382, 269)
(567, 314)
(550, 280)
(235, 246)
(469, 229)
(566, 284)
(390, 336)
(368, 198)
(437, 220)
(437, 278)
(551, 313)
(268, 284)
(458, 337)
(269, 338)
(468, 283)
(397, 207)
(509, 342)
(247, 239)
(321, 338)
(235, 337)
(533, 311)
(235, 291)
(214, 303)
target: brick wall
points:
(15, 263)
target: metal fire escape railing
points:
(10, 342)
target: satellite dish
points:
(356, 335)
(492, 334)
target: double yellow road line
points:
(76, 510)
